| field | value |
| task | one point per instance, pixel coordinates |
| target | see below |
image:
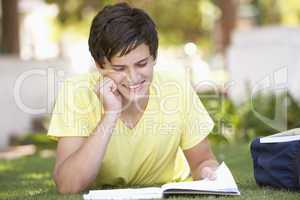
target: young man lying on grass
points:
(126, 124)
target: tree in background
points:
(278, 12)
(226, 23)
(10, 27)
(204, 22)
(177, 21)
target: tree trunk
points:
(226, 23)
(10, 27)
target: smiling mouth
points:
(135, 86)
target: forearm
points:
(81, 167)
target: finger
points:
(207, 173)
(106, 81)
(115, 90)
(101, 84)
(212, 176)
(100, 87)
(114, 87)
(117, 93)
(106, 85)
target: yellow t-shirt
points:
(150, 153)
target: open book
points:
(223, 185)
(286, 136)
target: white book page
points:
(286, 136)
(223, 183)
(130, 193)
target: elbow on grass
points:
(68, 187)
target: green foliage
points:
(40, 140)
(278, 12)
(236, 123)
(75, 11)
(177, 21)
(268, 11)
(233, 123)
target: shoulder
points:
(176, 75)
(171, 89)
(171, 81)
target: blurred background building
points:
(237, 47)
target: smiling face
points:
(132, 72)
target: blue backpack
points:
(276, 164)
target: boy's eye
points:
(119, 69)
(142, 64)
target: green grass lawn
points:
(30, 178)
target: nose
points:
(133, 76)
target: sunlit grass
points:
(30, 178)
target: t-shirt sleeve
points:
(74, 111)
(197, 123)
